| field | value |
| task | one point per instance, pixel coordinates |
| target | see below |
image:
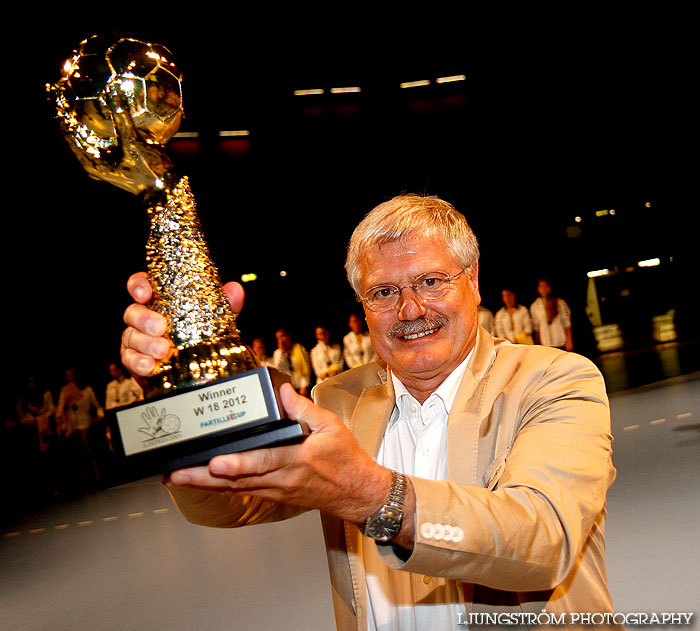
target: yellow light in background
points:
(307, 92)
(414, 84)
(577, 219)
(187, 134)
(345, 90)
(457, 77)
(229, 134)
(598, 272)
(283, 273)
(649, 263)
(247, 278)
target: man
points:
(292, 359)
(357, 345)
(326, 358)
(477, 469)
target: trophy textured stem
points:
(187, 290)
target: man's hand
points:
(144, 341)
(328, 471)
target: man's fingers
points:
(137, 364)
(242, 470)
(247, 464)
(301, 408)
(235, 295)
(139, 287)
(156, 347)
(145, 320)
(143, 343)
(196, 476)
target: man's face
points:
(115, 371)
(449, 323)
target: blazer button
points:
(439, 532)
(447, 532)
(427, 530)
(457, 534)
(427, 580)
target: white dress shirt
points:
(415, 443)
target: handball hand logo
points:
(159, 423)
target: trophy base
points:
(190, 426)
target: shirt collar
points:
(446, 391)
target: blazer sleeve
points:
(526, 533)
(228, 510)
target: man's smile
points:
(415, 336)
(420, 327)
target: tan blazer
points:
(529, 464)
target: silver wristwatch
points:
(386, 522)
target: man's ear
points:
(474, 280)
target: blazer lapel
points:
(372, 414)
(463, 422)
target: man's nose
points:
(411, 304)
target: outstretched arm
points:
(329, 471)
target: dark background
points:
(560, 116)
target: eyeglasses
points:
(429, 286)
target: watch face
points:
(384, 526)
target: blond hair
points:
(402, 215)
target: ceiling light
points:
(457, 77)
(414, 84)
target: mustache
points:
(420, 325)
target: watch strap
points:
(394, 501)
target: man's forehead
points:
(413, 256)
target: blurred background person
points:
(34, 442)
(485, 319)
(76, 410)
(326, 358)
(357, 345)
(292, 359)
(258, 346)
(551, 318)
(35, 410)
(123, 389)
(512, 321)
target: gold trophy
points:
(119, 101)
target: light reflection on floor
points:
(631, 369)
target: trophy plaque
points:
(119, 101)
